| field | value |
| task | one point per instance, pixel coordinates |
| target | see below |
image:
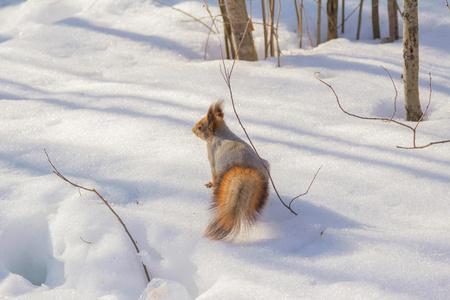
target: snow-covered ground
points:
(111, 89)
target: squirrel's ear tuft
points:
(215, 115)
(218, 109)
(210, 114)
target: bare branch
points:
(326, 13)
(353, 11)
(426, 109)
(424, 146)
(306, 13)
(312, 181)
(418, 122)
(354, 115)
(414, 129)
(226, 73)
(396, 93)
(106, 203)
(213, 18)
(189, 15)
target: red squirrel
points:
(239, 179)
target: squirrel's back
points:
(229, 149)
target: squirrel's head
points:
(206, 127)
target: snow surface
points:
(111, 89)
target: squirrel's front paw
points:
(209, 185)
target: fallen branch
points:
(85, 241)
(414, 129)
(226, 73)
(106, 203)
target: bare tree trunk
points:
(299, 12)
(227, 31)
(271, 27)
(359, 19)
(393, 20)
(319, 14)
(343, 16)
(411, 60)
(396, 19)
(266, 38)
(301, 24)
(237, 13)
(375, 20)
(332, 10)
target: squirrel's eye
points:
(199, 128)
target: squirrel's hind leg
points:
(214, 181)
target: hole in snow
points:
(26, 250)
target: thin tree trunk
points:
(411, 60)
(332, 10)
(359, 19)
(301, 23)
(375, 20)
(319, 13)
(392, 13)
(242, 32)
(276, 34)
(227, 31)
(298, 11)
(397, 9)
(271, 27)
(266, 39)
(343, 16)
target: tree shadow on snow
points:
(307, 233)
(340, 63)
(295, 241)
(5, 3)
(154, 41)
(364, 156)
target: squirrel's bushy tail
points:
(239, 198)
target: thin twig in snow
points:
(312, 181)
(106, 203)
(396, 93)
(85, 240)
